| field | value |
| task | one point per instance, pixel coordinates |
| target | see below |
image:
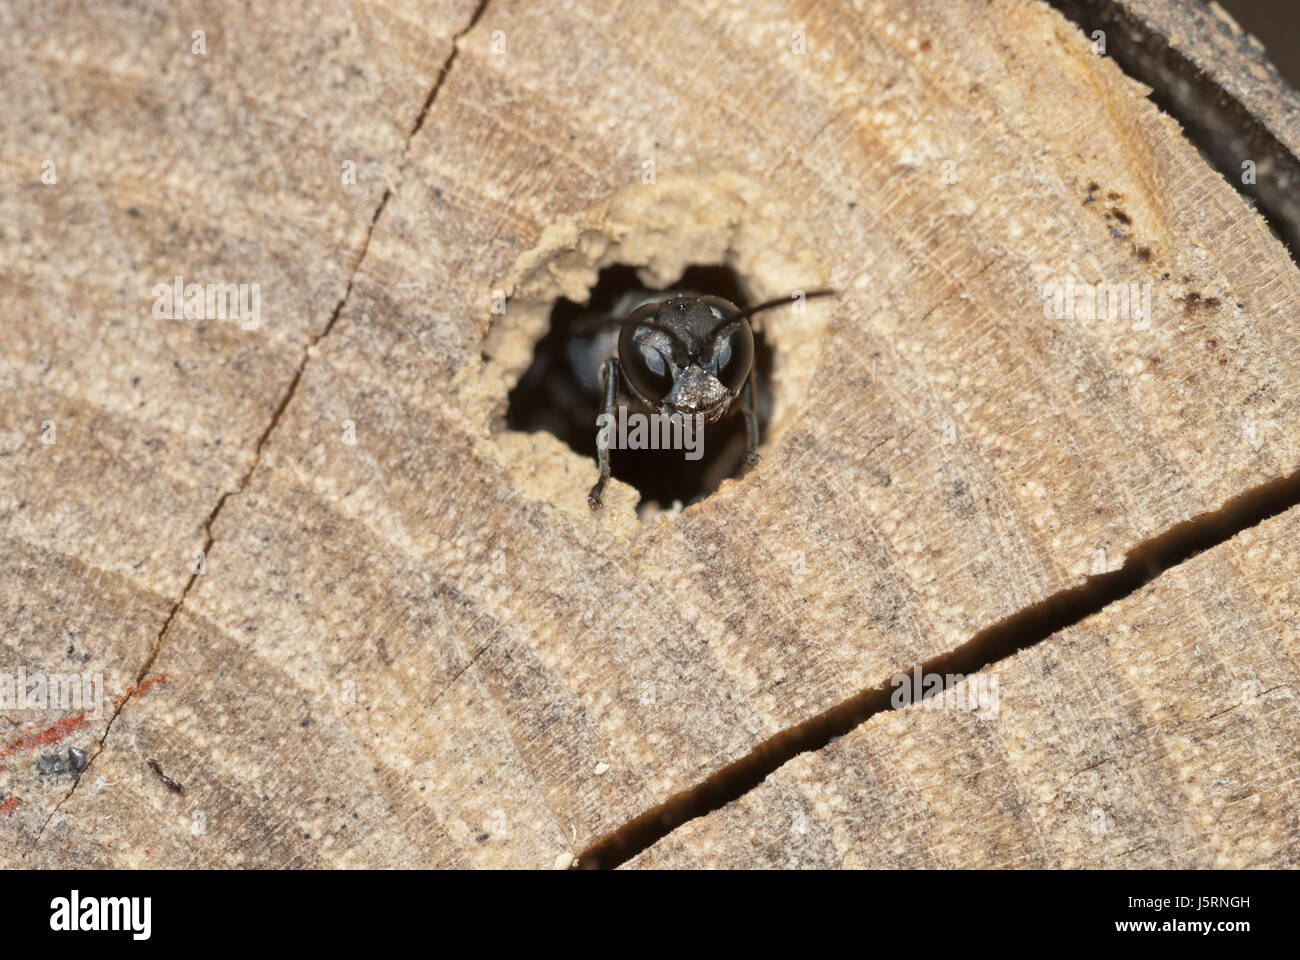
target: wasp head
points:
(687, 355)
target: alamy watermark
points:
(129, 914)
(179, 300)
(654, 431)
(941, 691)
(52, 691)
(1071, 300)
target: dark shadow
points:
(1221, 127)
(550, 395)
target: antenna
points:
(785, 301)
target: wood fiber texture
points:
(412, 644)
(1160, 731)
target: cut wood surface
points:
(1219, 79)
(357, 622)
(1161, 730)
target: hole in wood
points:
(560, 393)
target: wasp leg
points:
(609, 379)
(751, 421)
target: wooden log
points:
(411, 642)
(1161, 731)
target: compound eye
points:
(733, 356)
(646, 368)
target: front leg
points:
(751, 421)
(609, 379)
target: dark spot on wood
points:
(171, 784)
(1193, 302)
(53, 764)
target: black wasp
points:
(674, 353)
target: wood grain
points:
(422, 648)
(1161, 732)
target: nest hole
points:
(551, 396)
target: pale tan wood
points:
(219, 167)
(1220, 81)
(422, 648)
(1163, 731)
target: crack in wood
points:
(276, 415)
(1213, 118)
(1019, 631)
(1144, 563)
(446, 69)
(1023, 629)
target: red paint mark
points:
(8, 806)
(131, 691)
(69, 725)
(51, 734)
(161, 678)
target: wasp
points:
(686, 355)
(675, 353)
